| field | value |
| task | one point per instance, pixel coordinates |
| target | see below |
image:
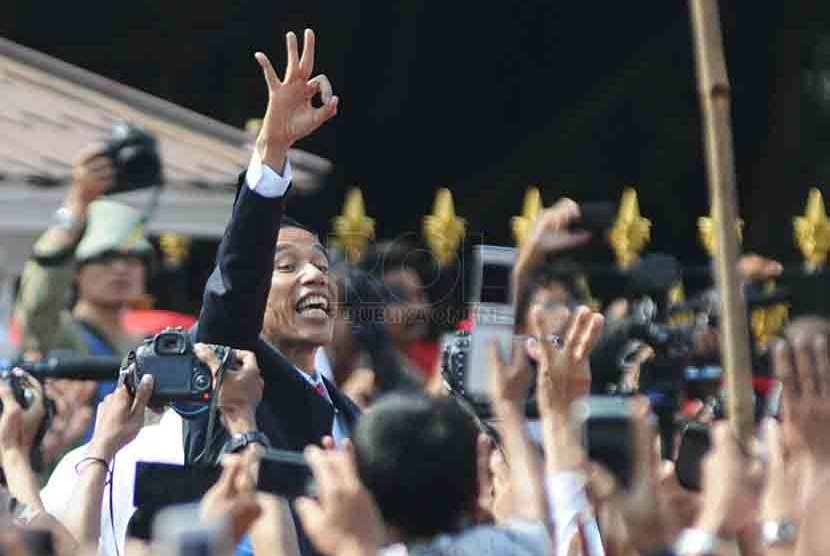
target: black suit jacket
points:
(291, 413)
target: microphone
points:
(100, 368)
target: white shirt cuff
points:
(264, 180)
(568, 501)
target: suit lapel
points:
(290, 403)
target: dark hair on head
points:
(549, 271)
(288, 222)
(417, 456)
(395, 255)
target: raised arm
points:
(236, 292)
(48, 274)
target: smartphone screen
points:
(285, 474)
(163, 484)
(495, 283)
(694, 444)
(605, 424)
(492, 265)
(491, 323)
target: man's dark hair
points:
(547, 272)
(417, 456)
(288, 222)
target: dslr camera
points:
(22, 392)
(178, 375)
(24, 395)
(134, 154)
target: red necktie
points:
(321, 389)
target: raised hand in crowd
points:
(561, 344)
(290, 115)
(802, 365)
(343, 520)
(644, 511)
(732, 483)
(510, 384)
(18, 431)
(92, 175)
(241, 388)
(563, 376)
(119, 419)
(232, 497)
(550, 235)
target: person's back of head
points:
(417, 456)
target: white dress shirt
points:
(264, 180)
(322, 364)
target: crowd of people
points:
(334, 429)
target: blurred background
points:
(580, 99)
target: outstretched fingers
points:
(588, 337)
(271, 78)
(307, 59)
(292, 55)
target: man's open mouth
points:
(313, 306)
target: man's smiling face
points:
(301, 303)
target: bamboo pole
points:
(714, 91)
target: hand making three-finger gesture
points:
(290, 115)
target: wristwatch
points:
(778, 532)
(238, 442)
(65, 220)
(696, 542)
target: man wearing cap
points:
(96, 248)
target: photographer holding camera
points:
(22, 420)
(104, 469)
(97, 248)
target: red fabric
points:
(424, 354)
(145, 322)
(321, 389)
(763, 384)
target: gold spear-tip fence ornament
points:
(522, 224)
(443, 229)
(707, 236)
(812, 232)
(174, 247)
(631, 232)
(353, 229)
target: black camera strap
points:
(224, 354)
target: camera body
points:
(178, 375)
(134, 154)
(22, 393)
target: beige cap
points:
(112, 226)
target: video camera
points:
(178, 375)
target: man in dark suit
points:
(270, 291)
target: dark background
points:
(579, 98)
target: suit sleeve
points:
(234, 300)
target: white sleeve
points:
(568, 505)
(57, 494)
(264, 180)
